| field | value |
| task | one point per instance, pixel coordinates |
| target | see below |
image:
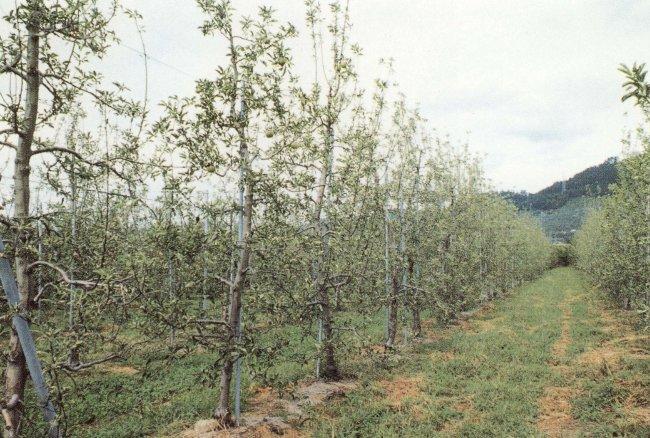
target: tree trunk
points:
(205, 302)
(392, 308)
(412, 273)
(416, 326)
(398, 271)
(331, 371)
(16, 372)
(73, 354)
(417, 323)
(223, 411)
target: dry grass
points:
(400, 389)
(261, 419)
(555, 419)
(121, 369)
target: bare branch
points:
(84, 365)
(77, 155)
(224, 280)
(64, 275)
(6, 143)
(211, 321)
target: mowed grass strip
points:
(483, 378)
(611, 369)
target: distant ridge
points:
(562, 206)
(592, 182)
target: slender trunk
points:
(171, 274)
(337, 299)
(223, 411)
(387, 271)
(225, 309)
(16, 372)
(392, 287)
(73, 354)
(331, 371)
(39, 254)
(416, 326)
(171, 291)
(397, 283)
(392, 308)
(410, 273)
(417, 322)
(205, 303)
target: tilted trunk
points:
(16, 372)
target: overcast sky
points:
(531, 85)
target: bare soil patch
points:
(121, 369)
(270, 415)
(257, 428)
(401, 388)
(560, 347)
(555, 419)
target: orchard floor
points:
(554, 359)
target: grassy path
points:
(552, 360)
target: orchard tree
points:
(323, 107)
(613, 245)
(217, 130)
(46, 53)
(400, 192)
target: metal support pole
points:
(27, 343)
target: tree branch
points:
(79, 157)
(64, 275)
(84, 365)
(223, 280)
(6, 143)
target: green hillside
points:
(560, 224)
(562, 206)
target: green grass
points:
(482, 379)
(166, 396)
(486, 379)
(603, 404)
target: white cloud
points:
(534, 83)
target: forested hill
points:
(562, 206)
(592, 182)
